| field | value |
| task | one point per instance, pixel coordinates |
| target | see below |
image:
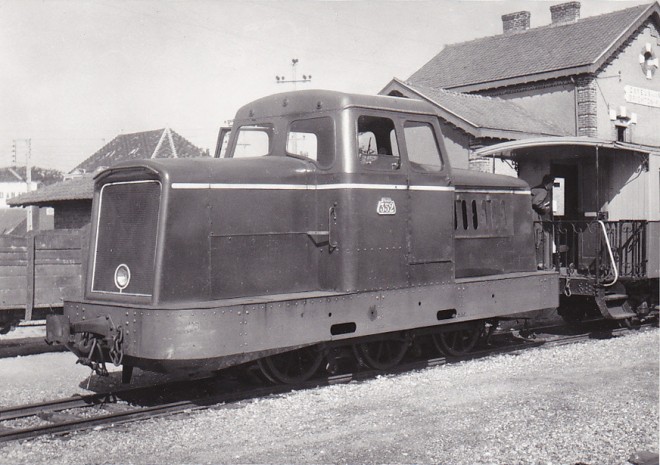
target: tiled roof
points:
(478, 115)
(79, 188)
(141, 145)
(538, 53)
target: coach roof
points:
(312, 101)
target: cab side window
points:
(312, 138)
(377, 143)
(254, 140)
(422, 146)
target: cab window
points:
(254, 140)
(223, 142)
(422, 146)
(312, 138)
(377, 143)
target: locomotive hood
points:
(212, 170)
(473, 179)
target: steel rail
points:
(136, 413)
(26, 346)
(90, 400)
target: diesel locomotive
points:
(330, 220)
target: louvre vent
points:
(127, 232)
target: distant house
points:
(13, 181)
(72, 198)
(13, 184)
(161, 143)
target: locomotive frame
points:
(350, 227)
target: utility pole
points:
(28, 179)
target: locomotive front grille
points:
(125, 247)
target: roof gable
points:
(535, 54)
(161, 143)
(481, 116)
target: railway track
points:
(26, 346)
(99, 411)
(31, 341)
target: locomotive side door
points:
(379, 200)
(431, 214)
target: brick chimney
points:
(514, 22)
(565, 13)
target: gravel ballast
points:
(594, 402)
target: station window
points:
(377, 143)
(621, 133)
(254, 140)
(422, 146)
(312, 138)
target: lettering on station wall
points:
(648, 97)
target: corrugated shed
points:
(80, 188)
(560, 49)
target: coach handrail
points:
(611, 255)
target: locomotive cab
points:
(329, 217)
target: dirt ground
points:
(594, 402)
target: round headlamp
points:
(122, 276)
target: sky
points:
(75, 74)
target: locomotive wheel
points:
(383, 354)
(292, 367)
(457, 343)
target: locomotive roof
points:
(311, 101)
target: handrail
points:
(609, 250)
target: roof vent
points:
(565, 13)
(514, 22)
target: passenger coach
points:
(331, 219)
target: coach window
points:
(312, 138)
(254, 140)
(377, 143)
(422, 146)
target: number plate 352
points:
(386, 206)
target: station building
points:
(578, 99)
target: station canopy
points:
(559, 147)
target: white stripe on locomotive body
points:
(246, 186)
(494, 191)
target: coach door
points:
(431, 223)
